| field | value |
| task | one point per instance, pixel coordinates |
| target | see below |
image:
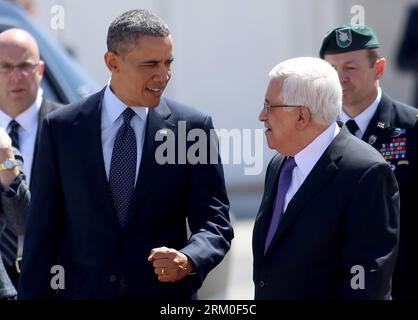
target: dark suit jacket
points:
(346, 213)
(392, 125)
(408, 50)
(15, 208)
(73, 223)
(14, 205)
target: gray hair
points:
(313, 83)
(125, 30)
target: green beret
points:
(349, 37)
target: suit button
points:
(112, 278)
(261, 283)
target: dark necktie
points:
(284, 184)
(123, 167)
(352, 126)
(13, 130)
(9, 240)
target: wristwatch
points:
(8, 164)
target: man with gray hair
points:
(108, 215)
(328, 224)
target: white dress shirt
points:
(29, 121)
(363, 119)
(307, 158)
(111, 120)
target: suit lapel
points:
(380, 122)
(45, 108)
(322, 172)
(148, 170)
(88, 132)
(262, 221)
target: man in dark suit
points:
(328, 223)
(389, 126)
(408, 50)
(22, 109)
(14, 202)
(110, 212)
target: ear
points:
(111, 60)
(304, 117)
(41, 68)
(380, 68)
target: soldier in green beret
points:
(389, 126)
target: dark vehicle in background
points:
(65, 81)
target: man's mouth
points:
(17, 90)
(266, 126)
(155, 90)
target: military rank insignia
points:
(372, 139)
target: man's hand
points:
(170, 265)
(6, 152)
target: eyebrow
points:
(351, 61)
(20, 62)
(155, 61)
(149, 62)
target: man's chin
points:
(347, 99)
(21, 103)
(153, 105)
(270, 145)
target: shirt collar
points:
(363, 119)
(309, 156)
(113, 106)
(28, 119)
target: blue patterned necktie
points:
(123, 167)
(9, 240)
(284, 184)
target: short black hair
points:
(125, 30)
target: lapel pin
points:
(372, 139)
(381, 125)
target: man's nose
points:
(343, 76)
(263, 115)
(163, 74)
(16, 73)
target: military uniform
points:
(393, 131)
